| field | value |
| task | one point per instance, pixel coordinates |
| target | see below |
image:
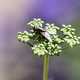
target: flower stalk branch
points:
(45, 67)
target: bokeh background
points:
(16, 59)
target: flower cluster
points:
(70, 38)
(48, 39)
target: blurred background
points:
(16, 59)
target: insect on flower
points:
(43, 32)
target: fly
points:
(43, 32)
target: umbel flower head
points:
(48, 39)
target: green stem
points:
(45, 67)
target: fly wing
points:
(40, 29)
(46, 35)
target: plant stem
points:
(45, 67)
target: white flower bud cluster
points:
(52, 43)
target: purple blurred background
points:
(16, 61)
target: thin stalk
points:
(45, 67)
